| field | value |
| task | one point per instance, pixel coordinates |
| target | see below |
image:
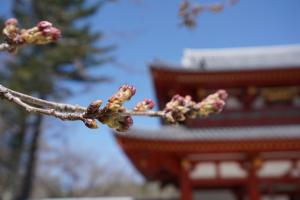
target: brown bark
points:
(16, 157)
(28, 178)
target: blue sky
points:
(145, 30)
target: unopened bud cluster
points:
(43, 33)
(113, 114)
(214, 103)
(145, 105)
(188, 12)
(180, 108)
(115, 103)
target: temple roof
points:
(242, 58)
(210, 134)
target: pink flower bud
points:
(222, 94)
(128, 88)
(11, 21)
(44, 25)
(178, 98)
(53, 32)
(218, 105)
(149, 103)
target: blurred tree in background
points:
(38, 71)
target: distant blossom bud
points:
(180, 108)
(43, 25)
(11, 31)
(179, 99)
(42, 33)
(214, 103)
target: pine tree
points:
(37, 71)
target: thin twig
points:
(40, 102)
(145, 113)
(50, 112)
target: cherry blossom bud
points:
(180, 108)
(222, 94)
(44, 25)
(218, 105)
(11, 30)
(94, 106)
(147, 104)
(127, 90)
(214, 103)
(52, 32)
(115, 103)
(42, 33)
(91, 123)
(178, 99)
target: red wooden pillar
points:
(253, 183)
(185, 184)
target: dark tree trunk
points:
(28, 178)
(16, 158)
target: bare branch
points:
(40, 102)
(148, 113)
(51, 112)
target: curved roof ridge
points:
(242, 57)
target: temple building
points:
(249, 151)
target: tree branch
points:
(40, 102)
(59, 110)
(114, 114)
(51, 112)
(148, 113)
